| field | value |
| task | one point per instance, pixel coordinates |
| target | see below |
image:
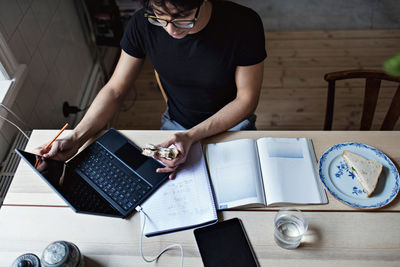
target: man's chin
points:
(178, 36)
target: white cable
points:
(26, 136)
(162, 252)
(15, 115)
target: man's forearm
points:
(229, 116)
(100, 112)
(109, 98)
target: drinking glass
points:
(290, 224)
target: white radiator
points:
(10, 164)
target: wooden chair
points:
(160, 86)
(372, 86)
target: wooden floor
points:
(293, 95)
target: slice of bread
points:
(366, 171)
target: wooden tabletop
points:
(334, 239)
(34, 216)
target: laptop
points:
(109, 177)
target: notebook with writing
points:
(109, 177)
(183, 203)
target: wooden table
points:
(34, 216)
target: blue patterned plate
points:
(343, 185)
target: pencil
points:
(52, 141)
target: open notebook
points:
(182, 203)
(264, 172)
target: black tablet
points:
(225, 244)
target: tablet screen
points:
(225, 244)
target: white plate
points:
(342, 184)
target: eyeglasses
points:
(178, 23)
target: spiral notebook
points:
(183, 203)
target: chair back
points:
(372, 86)
(160, 86)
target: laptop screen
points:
(51, 170)
(69, 185)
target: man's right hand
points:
(62, 149)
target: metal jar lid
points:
(27, 260)
(61, 254)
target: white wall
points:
(46, 35)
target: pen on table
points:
(52, 141)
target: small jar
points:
(26, 260)
(62, 254)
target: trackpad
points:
(148, 171)
(144, 166)
(131, 156)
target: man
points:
(209, 56)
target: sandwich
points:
(366, 171)
(151, 150)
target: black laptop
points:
(109, 177)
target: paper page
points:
(183, 202)
(235, 173)
(289, 171)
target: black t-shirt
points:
(197, 72)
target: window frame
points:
(12, 74)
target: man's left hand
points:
(182, 142)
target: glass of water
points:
(290, 225)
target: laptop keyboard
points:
(115, 179)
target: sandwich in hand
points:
(366, 171)
(150, 150)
